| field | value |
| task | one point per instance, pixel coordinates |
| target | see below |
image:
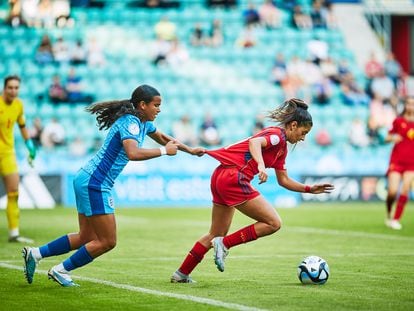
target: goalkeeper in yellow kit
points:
(11, 111)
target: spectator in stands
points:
(197, 36)
(216, 36)
(323, 138)
(29, 11)
(392, 68)
(209, 133)
(45, 14)
(44, 53)
(77, 147)
(177, 54)
(352, 94)
(61, 13)
(75, 88)
(35, 132)
(269, 14)
(331, 19)
(165, 29)
(15, 17)
(279, 70)
(322, 91)
(61, 51)
(53, 134)
(78, 53)
(251, 15)
(381, 116)
(96, 56)
(383, 86)
(318, 14)
(161, 50)
(231, 188)
(128, 123)
(259, 124)
(358, 136)
(184, 131)
(373, 67)
(57, 91)
(401, 166)
(318, 49)
(405, 86)
(300, 19)
(330, 69)
(247, 37)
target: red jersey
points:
(403, 152)
(238, 154)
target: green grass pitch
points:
(372, 267)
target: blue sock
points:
(57, 247)
(78, 259)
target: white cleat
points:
(179, 277)
(220, 253)
(60, 277)
(395, 224)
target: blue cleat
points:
(220, 253)
(62, 278)
(30, 264)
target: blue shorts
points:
(90, 201)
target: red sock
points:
(244, 235)
(193, 258)
(402, 200)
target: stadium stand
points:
(231, 82)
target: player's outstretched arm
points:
(163, 139)
(285, 181)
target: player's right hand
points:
(171, 147)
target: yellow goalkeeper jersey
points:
(9, 115)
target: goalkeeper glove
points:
(32, 149)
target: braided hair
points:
(293, 109)
(109, 111)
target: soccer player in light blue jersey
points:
(128, 121)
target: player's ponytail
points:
(293, 109)
(109, 111)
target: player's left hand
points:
(322, 188)
(32, 149)
(198, 151)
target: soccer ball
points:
(313, 270)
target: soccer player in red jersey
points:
(401, 167)
(231, 188)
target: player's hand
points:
(322, 188)
(198, 151)
(172, 147)
(32, 149)
(262, 174)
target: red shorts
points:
(400, 167)
(231, 187)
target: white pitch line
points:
(207, 301)
(350, 233)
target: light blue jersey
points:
(95, 180)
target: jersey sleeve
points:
(21, 119)
(129, 129)
(395, 126)
(273, 138)
(151, 128)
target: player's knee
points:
(274, 225)
(110, 244)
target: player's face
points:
(297, 133)
(11, 90)
(409, 106)
(152, 109)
